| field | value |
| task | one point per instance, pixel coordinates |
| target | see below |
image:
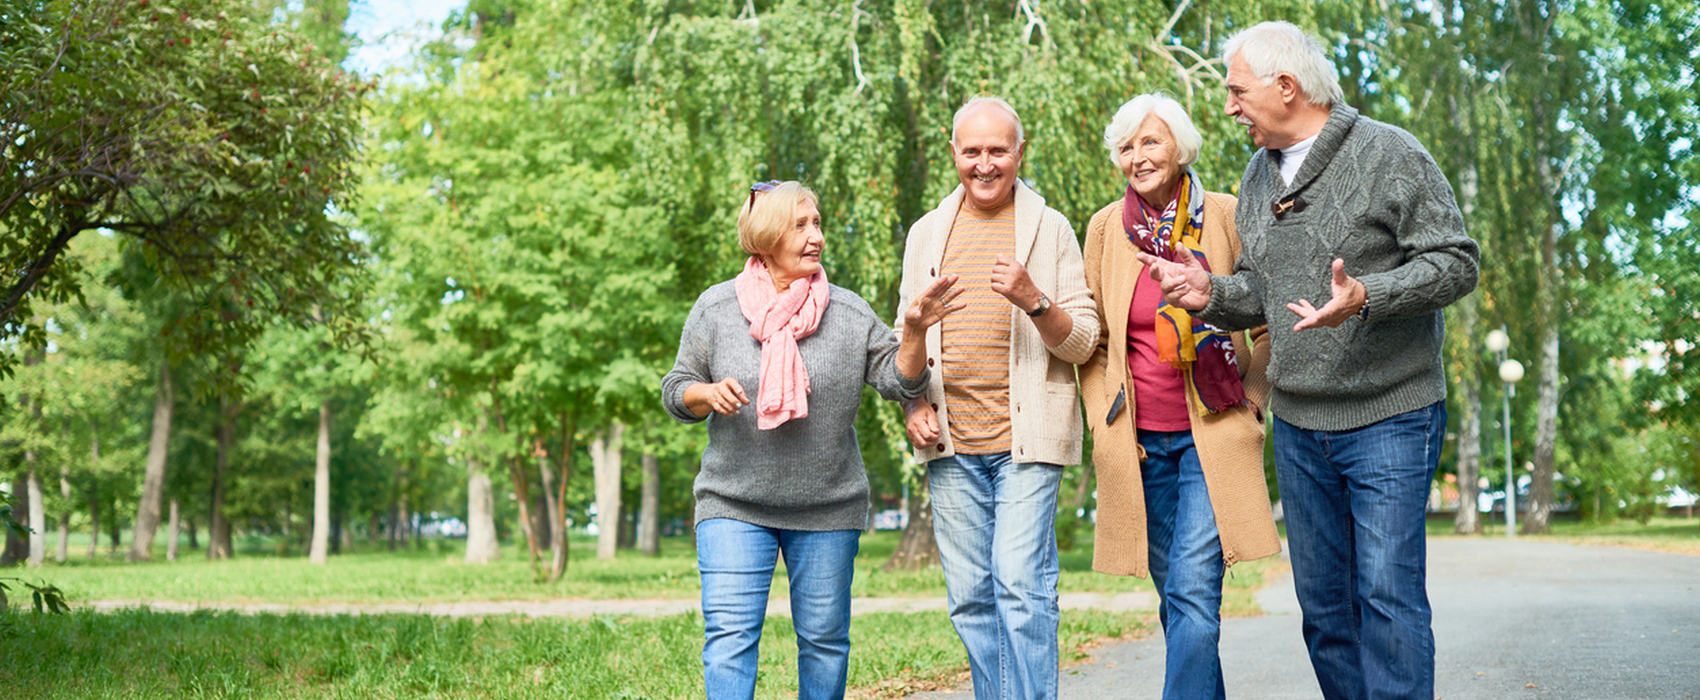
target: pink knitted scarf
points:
(779, 321)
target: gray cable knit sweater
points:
(1369, 194)
(806, 474)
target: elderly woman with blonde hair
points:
(784, 477)
(1173, 402)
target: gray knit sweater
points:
(1368, 194)
(806, 474)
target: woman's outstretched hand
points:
(935, 302)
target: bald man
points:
(1001, 416)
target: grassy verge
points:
(437, 575)
(1663, 534)
(140, 654)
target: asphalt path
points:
(1512, 619)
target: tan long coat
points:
(1230, 443)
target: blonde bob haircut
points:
(1128, 119)
(766, 216)
(1273, 48)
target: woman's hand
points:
(724, 397)
(934, 303)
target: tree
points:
(212, 143)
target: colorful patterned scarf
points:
(1183, 341)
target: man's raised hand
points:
(1349, 297)
(1185, 282)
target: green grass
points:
(140, 654)
(438, 575)
(1665, 534)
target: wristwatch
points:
(1044, 305)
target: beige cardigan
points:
(1230, 443)
(1044, 405)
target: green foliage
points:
(46, 598)
(213, 144)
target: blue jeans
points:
(736, 561)
(995, 521)
(1186, 564)
(1354, 503)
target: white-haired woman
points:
(785, 476)
(1173, 403)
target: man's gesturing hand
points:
(1010, 279)
(1349, 298)
(1185, 282)
(923, 425)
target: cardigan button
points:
(929, 362)
(935, 407)
(933, 271)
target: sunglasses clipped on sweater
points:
(760, 187)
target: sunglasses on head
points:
(760, 187)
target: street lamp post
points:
(1510, 372)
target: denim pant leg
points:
(995, 524)
(735, 560)
(1185, 555)
(1389, 468)
(1354, 503)
(820, 566)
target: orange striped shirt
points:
(975, 340)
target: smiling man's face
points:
(988, 157)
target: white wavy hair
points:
(1273, 48)
(983, 100)
(1132, 114)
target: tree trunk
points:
(406, 525)
(17, 544)
(94, 493)
(628, 531)
(37, 520)
(557, 494)
(522, 494)
(649, 507)
(94, 515)
(1467, 521)
(115, 530)
(342, 531)
(194, 536)
(917, 549)
(319, 551)
(396, 488)
(153, 484)
(481, 544)
(173, 530)
(218, 530)
(1538, 518)
(63, 553)
(605, 460)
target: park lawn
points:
(145, 654)
(1663, 534)
(436, 574)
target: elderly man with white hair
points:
(1354, 214)
(1173, 402)
(1001, 416)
